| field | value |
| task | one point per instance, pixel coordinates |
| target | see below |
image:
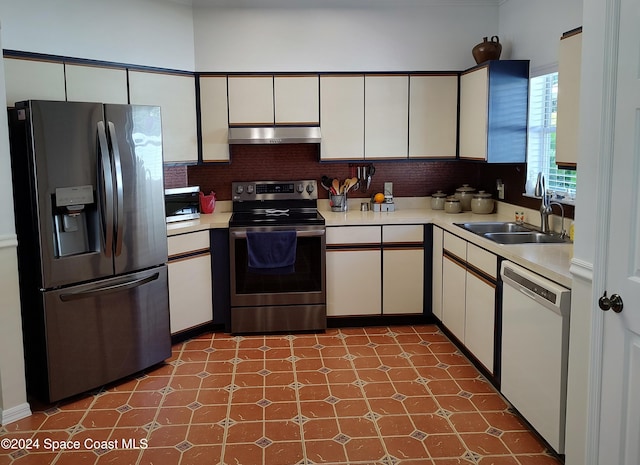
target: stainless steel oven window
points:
(305, 285)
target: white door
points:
(620, 397)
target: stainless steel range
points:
(277, 254)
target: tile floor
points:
(380, 395)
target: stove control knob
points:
(239, 189)
(310, 188)
(300, 188)
(250, 189)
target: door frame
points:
(607, 35)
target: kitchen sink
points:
(511, 233)
(493, 227)
(530, 237)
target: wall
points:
(343, 36)
(531, 30)
(414, 178)
(144, 32)
(13, 401)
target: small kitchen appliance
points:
(182, 203)
(277, 256)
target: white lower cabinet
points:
(354, 274)
(403, 281)
(375, 270)
(436, 273)
(403, 269)
(480, 318)
(453, 296)
(353, 282)
(469, 274)
(190, 283)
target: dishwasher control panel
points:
(549, 293)
(543, 292)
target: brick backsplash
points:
(411, 178)
(175, 176)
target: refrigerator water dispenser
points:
(71, 232)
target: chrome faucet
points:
(545, 205)
(563, 233)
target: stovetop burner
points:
(265, 218)
(274, 203)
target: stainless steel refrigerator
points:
(92, 246)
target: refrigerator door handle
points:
(108, 289)
(105, 191)
(117, 168)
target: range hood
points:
(275, 135)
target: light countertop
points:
(549, 260)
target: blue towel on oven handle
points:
(272, 252)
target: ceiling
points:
(330, 3)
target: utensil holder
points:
(338, 202)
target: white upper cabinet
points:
(96, 84)
(494, 102)
(214, 118)
(33, 80)
(267, 100)
(342, 117)
(569, 61)
(386, 116)
(297, 99)
(251, 100)
(175, 94)
(433, 116)
(474, 111)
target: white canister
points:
(452, 205)
(437, 200)
(465, 193)
(482, 203)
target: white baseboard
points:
(15, 413)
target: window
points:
(541, 150)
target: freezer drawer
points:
(100, 332)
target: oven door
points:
(304, 286)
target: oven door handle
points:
(242, 234)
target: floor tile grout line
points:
(453, 428)
(301, 421)
(476, 408)
(162, 400)
(193, 411)
(366, 398)
(415, 428)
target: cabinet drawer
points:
(483, 260)
(186, 243)
(353, 235)
(403, 233)
(455, 245)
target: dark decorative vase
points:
(487, 50)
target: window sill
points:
(554, 198)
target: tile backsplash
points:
(411, 178)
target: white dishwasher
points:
(535, 347)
